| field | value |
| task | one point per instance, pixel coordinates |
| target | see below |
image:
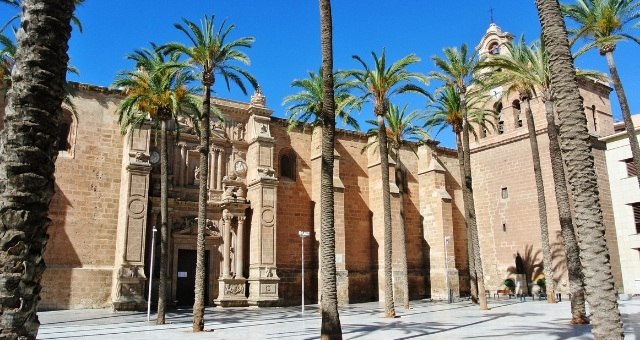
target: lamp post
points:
(153, 243)
(446, 268)
(303, 235)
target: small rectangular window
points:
(636, 215)
(631, 168)
(504, 193)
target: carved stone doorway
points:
(186, 275)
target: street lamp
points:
(446, 269)
(303, 235)
(153, 243)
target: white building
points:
(625, 197)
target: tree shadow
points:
(532, 263)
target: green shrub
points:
(542, 283)
(509, 283)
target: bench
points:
(504, 292)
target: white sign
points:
(182, 274)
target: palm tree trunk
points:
(471, 211)
(330, 328)
(542, 204)
(404, 275)
(164, 224)
(473, 282)
(626, 112)
(571, 249)
(28, 150)
(576, 153)
(389, 310)
(205, 132)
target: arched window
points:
(494, 48)
(288, 165)
(516, 114)
(66, 133)
(594, 115)
(497, 107)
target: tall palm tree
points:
(331, 327)
(604, 23)
(458, 68)
(377, 84)
(28, 150)
(515, 71)
(305, 107)
(212, 54)
(446, 111)
(576, 153)
(157, 89)
(401, 127)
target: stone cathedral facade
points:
(264, 187)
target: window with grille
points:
(631, 168)
(636, 215)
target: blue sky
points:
(288, 40)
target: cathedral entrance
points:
(186, 277)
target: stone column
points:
(240, 248)
(377, 208)
(220, 165)
(342, 274)
(183, 165)
(226, 237)
(128, 276)
(436, 210)
(262, 188)
(212, 164)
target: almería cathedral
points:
(264, 187)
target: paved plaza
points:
(506, 319)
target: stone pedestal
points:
(521, 279)
(232, 292)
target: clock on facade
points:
(240, 168)
(154, 157)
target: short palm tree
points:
(576, 153)
(458, 68)
(604, 23)
(28, 150)
(377, 84)
(516, 72)
(402, 126)
(305, 107)
(157, 90)
(211, 53)
(446, 111)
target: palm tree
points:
(331, 327)
(305, 107)
(377, 84)
(458, 68)
(515, 71)
(28, 150)
(446, 111)
(604, 23)
(212, 54)
(158, 90)
(7, 59)
(576, 153)
(401, 128)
